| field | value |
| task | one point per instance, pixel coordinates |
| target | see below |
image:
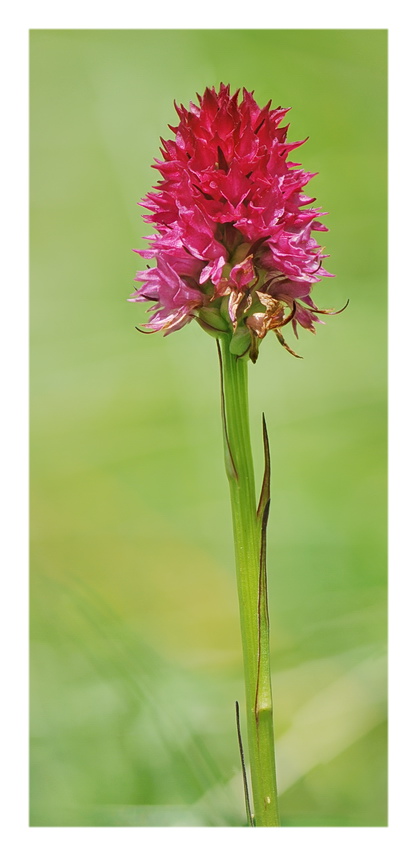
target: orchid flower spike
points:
(233, 244)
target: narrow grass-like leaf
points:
(263, 686)
(266, 483)
(249, 814)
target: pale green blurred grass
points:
(135, 638)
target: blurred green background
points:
(136, 659)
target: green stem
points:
(249, 538)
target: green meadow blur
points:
(136, 658)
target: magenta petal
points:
(242, 274)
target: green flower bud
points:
(240, 342)
(212, 322)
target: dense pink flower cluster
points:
(233, 243)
